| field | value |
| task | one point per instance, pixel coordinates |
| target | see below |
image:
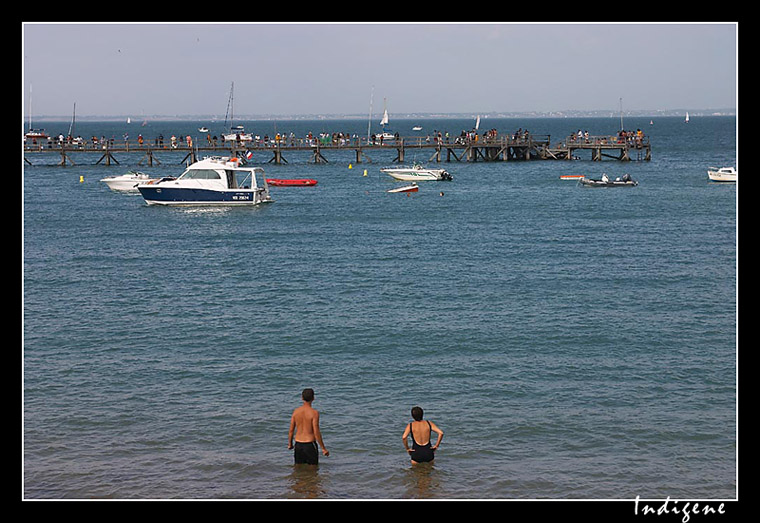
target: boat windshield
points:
(200, 174)
(243, 179)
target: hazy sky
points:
(287, 69)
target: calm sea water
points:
(572, 343)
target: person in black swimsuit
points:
(422, 450)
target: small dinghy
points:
(406, 188)
(301, 182)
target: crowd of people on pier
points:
(338, 139)
(335, 139)
(632, 138)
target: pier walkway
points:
(489, 149)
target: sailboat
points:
(33, 134)
(236, 133)
(385, 135)
(72, 129)
(687, 117)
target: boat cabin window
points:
(201, 174)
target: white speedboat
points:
(211, 181)
(625, 181)
(724, 174)
(126, 182)
(417, 173)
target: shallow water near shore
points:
(572, 343)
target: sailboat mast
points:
(369, 120)
(30, 107)
(73, 120)
(621, 115)
(230, 107)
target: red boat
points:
(407, 188)
(300, 182)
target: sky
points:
(136, 69)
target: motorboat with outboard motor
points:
(417, 173)
(724, 174)
(211, 181)
(624, 181)
(127, 182)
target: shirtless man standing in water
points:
(305, 424)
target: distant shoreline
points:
(420, 116)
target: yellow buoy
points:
(350, 166)
(365, 172)
(81, 179)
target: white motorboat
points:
(238, 134)
(417, 173)
(211, 181)
(384, 137)
(36, 134)
(624, 181)
(724, 174)
(126, 182)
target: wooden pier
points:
(491, 149)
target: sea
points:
(572, 343)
